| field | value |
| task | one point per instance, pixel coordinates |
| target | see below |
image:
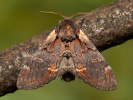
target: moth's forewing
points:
(69, 54)
(43, 66)
(91, 66)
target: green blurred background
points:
(21, 19)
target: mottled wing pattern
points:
(90, 65)
(43, 66)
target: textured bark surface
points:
(109, 25)
(106, 27)
(12, 60)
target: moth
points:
(67, 52)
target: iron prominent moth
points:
(67, 52)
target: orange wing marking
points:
(39, 60)
(108, 73)
(96, 60)
(52, 70)
(51, 35)
(82, 35)
(62, 47)
(81, 70)
(25, 72)
(71, 46)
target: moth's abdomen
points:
(68, 77)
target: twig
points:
(106, 27)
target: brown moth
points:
(67, 52)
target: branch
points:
(106, 27)
(109, 25)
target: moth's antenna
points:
(54, 13)
(78, 14)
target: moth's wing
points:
(90, 65)
(43, 66)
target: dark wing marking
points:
(90, 65)
(43, 66)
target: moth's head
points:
(67, 30)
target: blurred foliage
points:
(21, 19)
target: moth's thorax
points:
(67, 30)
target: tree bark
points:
(109, 25)
(106, 27)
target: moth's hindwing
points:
(43, 66)
(90, 65)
